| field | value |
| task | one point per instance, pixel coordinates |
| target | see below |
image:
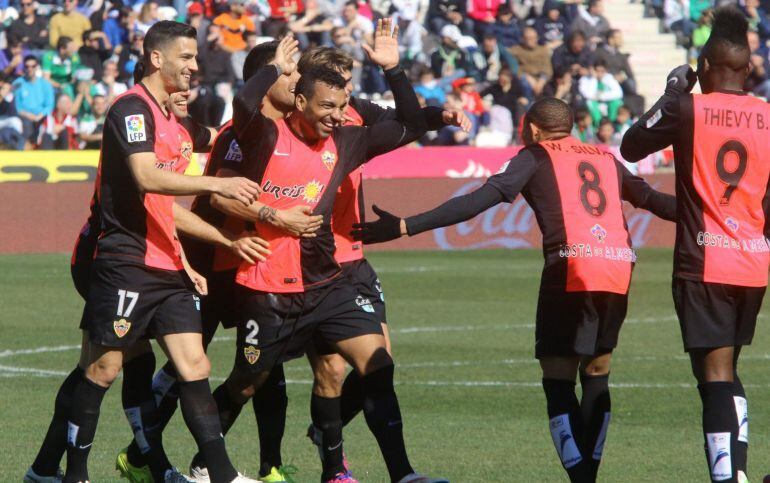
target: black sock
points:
(566, 424)
(595, 408)
(383, 417)
(142, 413)
(742, 413)
(352, 397)
(81, 427)
(200, 414)
(270, 402)
(325, 413)
(228, 408)
(55, 442)
(720, 429)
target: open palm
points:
(385, 51)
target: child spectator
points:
(430, 89)
(584, 127)
(602, 92)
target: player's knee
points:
(194, 368)
(378, 360)
(329, 376)
(103, 372)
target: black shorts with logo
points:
(714, 314)
(127, 301)
(219, 305)
(578, 323)
(275, 328)
(363, 277)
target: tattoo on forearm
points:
(266, 213)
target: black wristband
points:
(393, 71)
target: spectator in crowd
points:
(449, 12)
(116, 27)
(91, 125)
(507, 92)
(617, 61)
(701, 33)
(623, 121)
(239, 58)
(109, 86)
(30, 28)
(360, 28)
(449, 60)
(129, 57)
(591, 21)
(281, 13)
(429, 88)
(216, 73)
(34, 98)
(697, 8)
(528, 10)
(232, 25)
(96, 49)
(563, 87)
(499, 132)
(757, 17)
(148, 16)
(59, 129)
(496, 58)
(574, 56)
(506, 27)
(197, 19)
(551, 26)
(472, 104)
(602, 92)
(757, 81)
(584, 127)
(312, 28)
(605, 134)
(10, 123)
(452, 135)
(12, 59)
(68, 23)
(483, 13)
(534, 62)
(410, 15)
(342, 40)
(676, 18)
(59, 65)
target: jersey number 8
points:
(591, 195)
(731, 178)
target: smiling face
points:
(177, 64)
(323, 110)
(177, 103)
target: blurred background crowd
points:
(63, 61)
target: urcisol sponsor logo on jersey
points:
(310, 192)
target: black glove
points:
(387, 228)
(680, 80)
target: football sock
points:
(200, 414)
(325, 413)
(595, 405)
(352, 397)
(270, 402)
(81, 427)
(383, 417)
(742, 413)
(142, 414)
(55, 442)
(566, 424)
(720, 429)
(228, 408)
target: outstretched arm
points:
(639, 193)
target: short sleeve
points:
(514, 174)
(132, 125)
(200, 135)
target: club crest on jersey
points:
(234, 152)
(187, 151)
(365, 304)
(313, 191)
(251, 353)
(732, 224)
(121, 327)
(135, 128)
(329, 159)
(599, 232)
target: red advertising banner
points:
(438, 162)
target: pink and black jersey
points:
(293, 173)
(133, 225)
(720, 141)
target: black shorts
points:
(578, 323)
(219, 305)
(127, 301)
(363, 277)
(81, 278)
(274, 328)
(715, 314)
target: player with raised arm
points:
(721, 255)
(337, 397)
(139, 281)
(576, 191)
(299, 291)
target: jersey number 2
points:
(596, 204)
(251, 337)
(731, 178)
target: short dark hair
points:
(62, 42)
(606, 120)
(87, 34)
(138, 71)
(29, 57)
(600, 63)
(163, 32)
(258, 57)
(352, 3)
(325, 75)
(550, 114)
(728, 34)
(611, 33)
(325, 57)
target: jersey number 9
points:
(731, 178)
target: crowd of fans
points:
(61, 64)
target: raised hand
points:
(284, 54)
(385, 51)
(387, 227)
(680, 80)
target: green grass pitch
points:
(467, 380)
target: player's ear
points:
(300, 102)
(156, 59)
